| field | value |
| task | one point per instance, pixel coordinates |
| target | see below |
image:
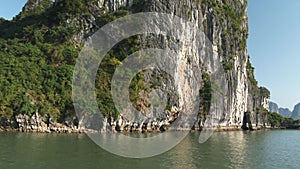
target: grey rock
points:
(273, 107)
(296, 112)
(285, 112)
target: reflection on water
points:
(237, 148)
(258, 149)
(138, 147)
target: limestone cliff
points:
(296, 112)
(285, 112)
(224, 22)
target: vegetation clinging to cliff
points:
(37, 60)
(40, 50)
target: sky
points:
(10, 8)
(274, 48)
(273, 45)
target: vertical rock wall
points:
(225, 23)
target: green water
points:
(261, 149)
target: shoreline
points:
(88, 131)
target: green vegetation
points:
(33, 81)
(230, 17)
(277, 120)
(205, 93)
(228, 65)
(250, 73)
(138, 92)
(31, 9)
(264, 92)
(38, 55)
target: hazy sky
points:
(273, 45)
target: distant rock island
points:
(295, 114)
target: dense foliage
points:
(35, 78)
(37, 58)
(277, 120)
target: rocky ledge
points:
(36, 123)
(44, 124)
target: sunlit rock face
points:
(225, 24)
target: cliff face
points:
(296, 112)
(285, 112)
(273, 107)
(224, 23)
